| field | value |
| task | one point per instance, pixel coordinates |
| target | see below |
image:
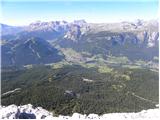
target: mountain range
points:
(80, 67)
(44, 41)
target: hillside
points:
(29, 51)
(73, 88)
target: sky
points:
(23, 12)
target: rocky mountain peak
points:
(80, 22)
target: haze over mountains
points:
(39, 40)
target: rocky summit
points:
(30, 112)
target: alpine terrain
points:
(79, 67)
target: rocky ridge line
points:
(29, 112)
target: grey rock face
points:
(153, 38)
(28, 112)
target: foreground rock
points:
(29, 112)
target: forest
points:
(75, 88)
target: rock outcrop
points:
(29, 112)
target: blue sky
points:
(22, 13)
